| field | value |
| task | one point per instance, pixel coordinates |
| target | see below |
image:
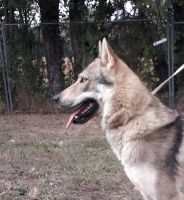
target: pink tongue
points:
(77, 111)
(71, 118)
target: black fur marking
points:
(101, 79)
(171, 157)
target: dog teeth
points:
(89, 107)
(85, 110)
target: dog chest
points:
(143, 177)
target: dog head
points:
(94, 86)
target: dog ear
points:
(99, 48)
(108, 58)
(107, 55)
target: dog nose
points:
(55, 98)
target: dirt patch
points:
(40, 159)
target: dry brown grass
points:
(32, 103)
(40, 159)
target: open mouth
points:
(84, 112)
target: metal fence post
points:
(4, 60)
(170, 50)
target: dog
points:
(146, 136)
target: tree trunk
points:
(52, 44)
(76, 14)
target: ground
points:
(41, 159)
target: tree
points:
(77, 31)
(52, 44)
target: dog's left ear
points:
(99, 48)
(107, 57)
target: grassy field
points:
(40, 159)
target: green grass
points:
(45, 145)
(97, 143)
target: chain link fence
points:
(23, 70)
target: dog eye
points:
(83, 80)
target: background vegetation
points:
(49, 42)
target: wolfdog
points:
(146, 136)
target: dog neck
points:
(133, 103)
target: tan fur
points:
(138, 126)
